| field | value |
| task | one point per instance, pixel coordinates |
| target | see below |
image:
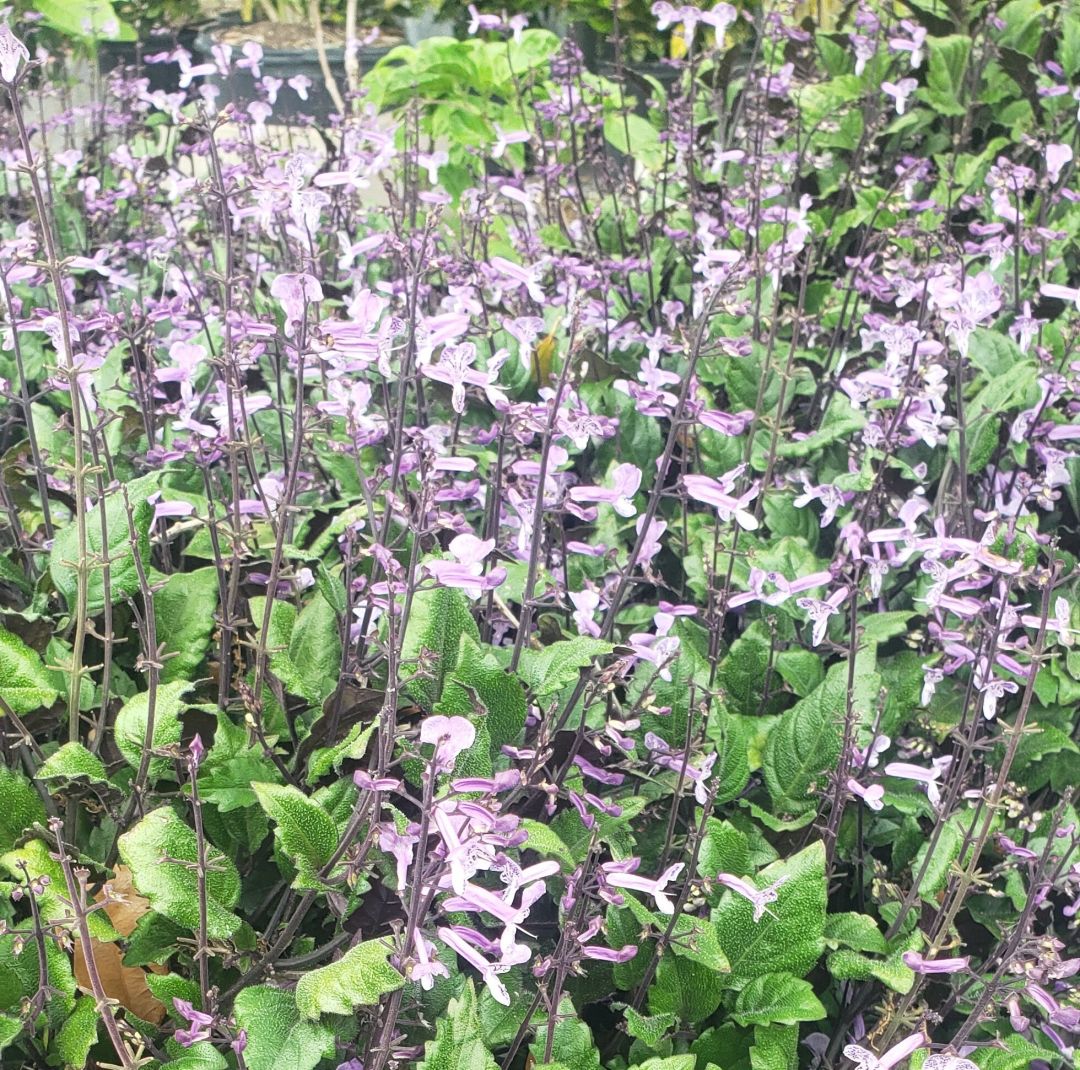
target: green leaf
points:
(725, 849)
(315, 650)
(945, 74)
(840, 422)
(743, 672)
(649, 1029)
(775, 1047)
(779, 998)
(692, 938)
(459, 1043)
(805, 743)
(686, 989)
(160, 851)
(123, 573)
(200, 1056)
(993, 353)
(437, 621)
(278, 639)
(78, 1034)
(20, 974)
(879, 628)
(20, 807)
(306, 832)
(85, 19)
(557, 666)
(134, 717)
(354, 746)
(547, 843)
(634, 136)
(25, 683)
(891, 971)
(477, 671)
(184, 610)
(73, 762)
(1016, 1052)
(278, 1038)
(573, 1046)
(359, 978)
(790, 939)
(857, 931)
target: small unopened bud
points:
(197, 751)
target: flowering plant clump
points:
(554, 569)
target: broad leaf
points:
(184, 610)
(20, 807)
(306, 832)
(123, 574)
(25, 684)
(359, 978)
(459, 1043)
(278, 1038)
(161, 851)
(133, 721)
(789, 939)
(777, 998)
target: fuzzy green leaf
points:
(777, 998)
(278, 1038)
(160, 851)
(305, 830)
(20, 807)
(133, 719)
(25, 683)
(78, 1034)
(123, 573)
(73, 762)
(359, 978)
(459, 1043)
(184, 610)
(792, 937)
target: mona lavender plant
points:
(559, 568)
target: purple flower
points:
(625, 484)
(717, 493)
(610, 954)
(621, 875)
(586, 604)
(914, 961)
(759, 898)
(992, 691)
(900, 91)
(867, 1060)
(451, 735)
(1057, 157)
(928, 777)
(198, 1022)
(820, 611)
(12, 51)
(295, 292)
(455, 368)
(466, 570)
(872, 795)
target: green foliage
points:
(161, 851)
(359, 978)
(25, 683)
